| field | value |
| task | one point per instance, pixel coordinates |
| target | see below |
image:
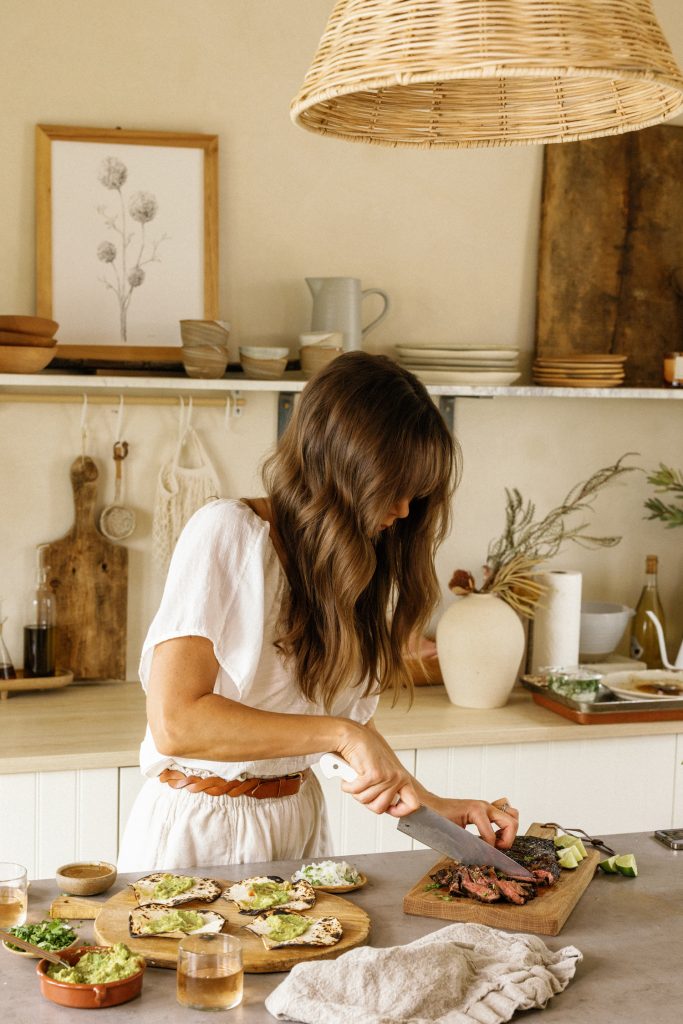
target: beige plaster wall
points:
(451, 236)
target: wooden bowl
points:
(85, 878)
(263, 363)
(24, 358)
(29, 325)
(26, 340)
(204, 332)
(351, 887)
(204, 361)
(88, 997)
(36, 956)
(314, 357)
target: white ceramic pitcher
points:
(337, 303)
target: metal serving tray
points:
(606, 702)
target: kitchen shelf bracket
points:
(285, 408)
(447, 410)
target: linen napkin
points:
(459, 974)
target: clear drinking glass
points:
(13, 894)
(210, 974)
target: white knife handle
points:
(331, 765)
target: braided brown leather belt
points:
(262, 789)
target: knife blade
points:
(437, 832)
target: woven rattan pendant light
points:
(457, 73)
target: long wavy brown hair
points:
(364, 434)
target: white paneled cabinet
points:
(605, 785)
(51, 818)
(630, 784)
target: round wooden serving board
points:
(111, 925)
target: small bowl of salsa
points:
(85, 878)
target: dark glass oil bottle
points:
(39, 632)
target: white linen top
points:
(225, 583)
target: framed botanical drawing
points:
(126, 239)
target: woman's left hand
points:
(479, 813)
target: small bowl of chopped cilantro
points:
(53, 935)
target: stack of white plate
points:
(599, 370)
(461, 364)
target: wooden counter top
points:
(101, 725)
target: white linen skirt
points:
(171, 828)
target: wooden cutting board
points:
(611, 250)
(111, 925)
(89, 575)
(544, 915)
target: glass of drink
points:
(13, 894)
(210, 974)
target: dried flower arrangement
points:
(670, 481)
(525, 543)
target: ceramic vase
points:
(480, 642)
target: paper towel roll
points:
(557, 623)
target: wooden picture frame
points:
(95, 236)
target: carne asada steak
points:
(488, 885)
(538, 856)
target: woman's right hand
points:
(382, 780)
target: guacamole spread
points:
(263, 895)
(172, 885)
(94, 968)
(174, 921)
(282, 927)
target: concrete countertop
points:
(630, 932)
(100, 725)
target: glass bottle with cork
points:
(644, 642)
(40, 630)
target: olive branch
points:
(525, 542)
(666, 480)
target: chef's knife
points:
(438, 832)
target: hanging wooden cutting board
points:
(111, 925)
(611, 250)
(89, 575)
(544, 915)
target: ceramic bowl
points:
(205, 361)
(29, 325)
(85, 878)
(314, 357)
(263, 363)
(203, 332)
(36, 956)
(602, 627)
(88, 997)
(24, 358)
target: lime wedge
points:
(567, 858)
(568, 842)
(626, 865)
(608, 866)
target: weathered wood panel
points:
(611, 245)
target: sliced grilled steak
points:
(478, 885)
(515, 892)
(538, 856)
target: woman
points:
(279, 617)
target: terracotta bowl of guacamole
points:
(96, 963)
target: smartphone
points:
(672, 837)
